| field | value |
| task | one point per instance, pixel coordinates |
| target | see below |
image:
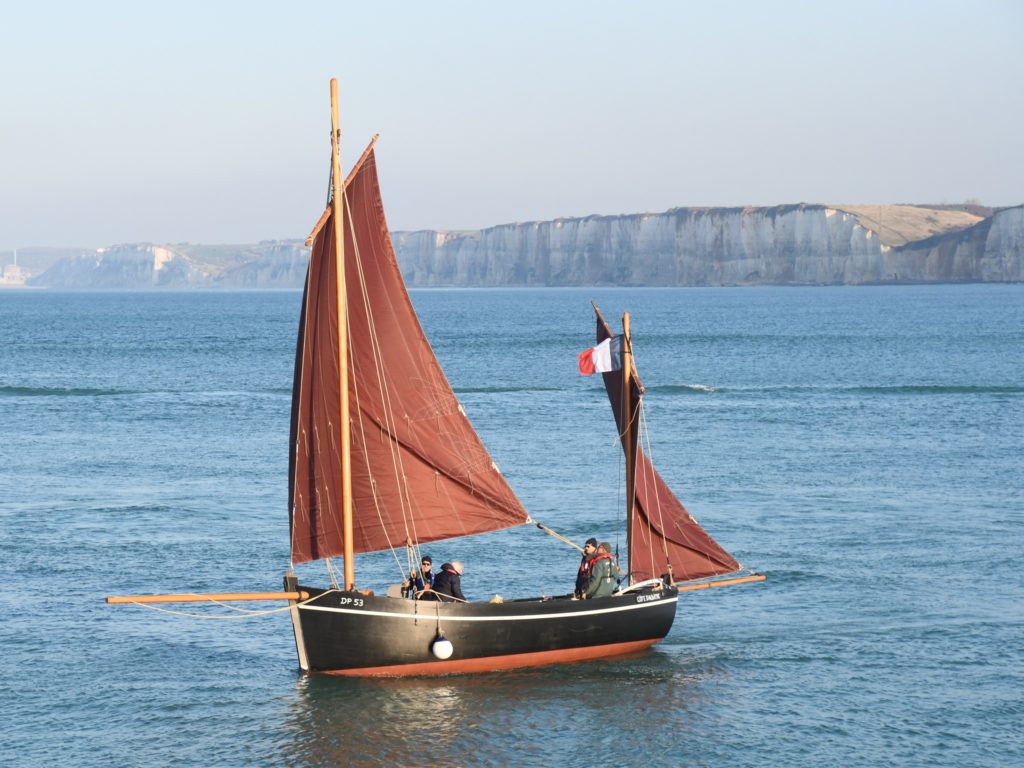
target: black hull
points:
(347, 633)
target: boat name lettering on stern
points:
(355, 602)
(648, 598)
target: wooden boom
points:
(724, 583)
(213, 596)
(559, 536)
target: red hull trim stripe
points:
(427, 613)
(495, 663)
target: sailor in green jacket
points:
(604, 573)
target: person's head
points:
(604, 548)
(590, 547)
(457, 566)
(426, 562)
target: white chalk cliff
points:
(782, 245)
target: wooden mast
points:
(627, 418)
(339, 251)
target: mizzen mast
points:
(339, 254)
(630, 440)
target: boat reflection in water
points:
(530, 717)
(373, 722)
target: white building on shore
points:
(11, 275)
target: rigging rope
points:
(646, 433)
(634, 421)
(331, 574)
(406, 501)
(620, 506)
(692, 547)
(382, 386)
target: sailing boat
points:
(382, 457)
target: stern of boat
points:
(291, 584)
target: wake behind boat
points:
(383, 457)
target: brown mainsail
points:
(663, 538)
(419, 470)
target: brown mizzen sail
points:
(663, 538)
(419, 470)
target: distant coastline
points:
(800, 244)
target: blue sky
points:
(209, 122)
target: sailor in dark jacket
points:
(419, 580)
(448, 583)
(425, 578)
(583, 574)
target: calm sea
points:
(861, 446)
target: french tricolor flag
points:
(606, 356)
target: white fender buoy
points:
(442, 647)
